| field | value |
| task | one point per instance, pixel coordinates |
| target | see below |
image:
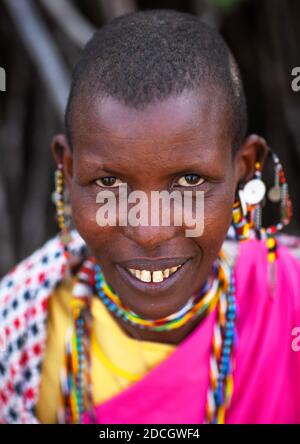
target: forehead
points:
(186, 124)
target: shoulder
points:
(291, 243)
(288, 249)
(23, 273)
(289, 273)
(28, 285)
(273, 285)
(24, 294)
(40, 268)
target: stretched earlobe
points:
(253, 150)
(62, 154)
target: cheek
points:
(84, 210)
(217, 219)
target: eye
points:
(109, 182)
(189, 180)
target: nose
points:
(150, 237)
(149, 220)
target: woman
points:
(123, 321)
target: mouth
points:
(151, 276)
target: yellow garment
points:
(130, 358)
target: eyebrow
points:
(99, 167)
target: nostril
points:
(150, 237)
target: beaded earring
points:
(247, 209)
(63, 213)
(239, 217)
(254, 193)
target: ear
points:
(62, 153)
(254, 149)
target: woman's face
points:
(178, 144)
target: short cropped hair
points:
(146, 56)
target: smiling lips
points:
(156, 273)
(153, 276)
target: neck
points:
(172, 337)
(174, 331)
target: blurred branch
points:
(36, 197)
(77, 28)
(42, 49)
(114, 8)
(12, 133)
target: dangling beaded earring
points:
(252, 197)
(239, 217)
(75, 378)
(280, 193)
(63, 214)
(254, 193)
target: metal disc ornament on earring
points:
(274, 194)
(254, 191)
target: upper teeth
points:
(154, 276)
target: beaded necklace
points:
(195, 306)
(76, 374)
